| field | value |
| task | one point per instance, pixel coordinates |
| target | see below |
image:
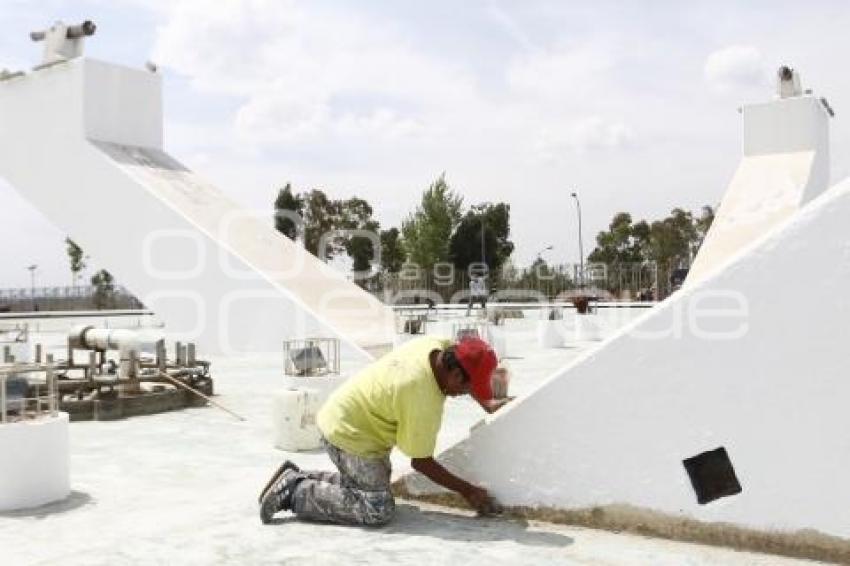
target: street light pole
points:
(537, 262)
(483, 256)
(546, 249)
(32, 269)
(580, 244)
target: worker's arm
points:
(477, 497)
(493, 405)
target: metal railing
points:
(80, 297)
(36, 400)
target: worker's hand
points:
(480, 500)
(493, 405)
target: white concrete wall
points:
(34, 462)
(80, 141)
(785, 164)
(753, 358)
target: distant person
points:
(395, 402)
(477, 293)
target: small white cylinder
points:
(550, 333)
(294, 419)
(34, 462)
(587, 328)
(322, 384)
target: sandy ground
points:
(181, 487)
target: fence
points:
(540, 282)
(76, 298)
(16, 401)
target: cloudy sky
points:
(633, 105)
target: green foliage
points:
(104, 284)
(673, 239)
(392, 251)
(427, 231)
(671, 242)
(321, 216)
(285, 202)
(356, 214)
(75, 256)
(322, 219)
(490, 222)
(624, 242)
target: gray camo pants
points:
(358, 494)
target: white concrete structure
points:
(587, 327)
(82, 141)
(551, 333)
(34, 462)
(740, 359)
(785, 164)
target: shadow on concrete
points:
(410, 520)
(75, 500)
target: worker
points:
(477, 293)
(395, 402)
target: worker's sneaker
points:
(287, 465)
(279, 495)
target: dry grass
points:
(625, 518)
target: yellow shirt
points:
(394, 402)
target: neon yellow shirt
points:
(396, 401)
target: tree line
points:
(440, 230)
(671, 243)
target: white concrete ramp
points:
(785, 164)
(82, 141)
(753, 359)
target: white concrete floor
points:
(181, 487)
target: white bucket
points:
(294, 418)
(550, 333)
(323, 384)
(34, 462)
(587, 328)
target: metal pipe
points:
(87, 28)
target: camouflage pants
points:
(358, 494)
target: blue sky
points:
(632, 104)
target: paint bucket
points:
(294, 419)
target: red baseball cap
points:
(478, 361)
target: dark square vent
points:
(712, 475)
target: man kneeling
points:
(396, 401)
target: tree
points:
(287, 202)
(356, 214)
(104, 285)
(490, 221)
(622, 243)
(323, 222)
(671, 243)
(321, 217)
(428, 230)
(703, 224)
(392, 252)
(671, 240)
(75, 256)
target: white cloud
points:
(736, 68)
(586, 134)
(567, 73)
(303, 73)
